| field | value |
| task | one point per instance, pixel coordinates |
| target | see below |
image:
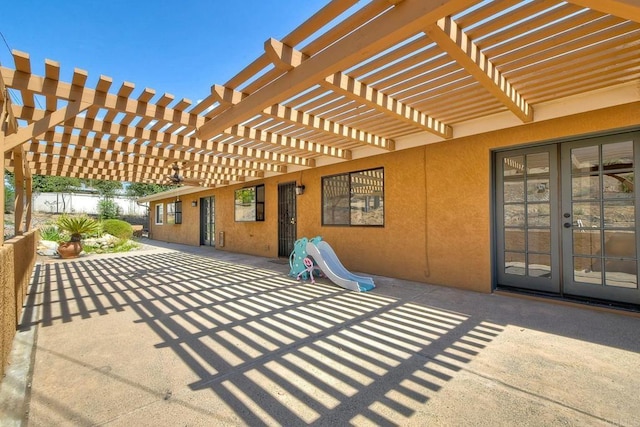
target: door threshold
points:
(632, 310)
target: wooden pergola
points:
(354, 80)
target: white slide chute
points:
(328, 262)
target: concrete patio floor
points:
(182, 336)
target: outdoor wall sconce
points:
(194, 203)
(299, 190)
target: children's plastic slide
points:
(327, 260)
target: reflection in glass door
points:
(566, 217)
(527, 238)
(599, 235)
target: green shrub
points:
(9, 197)
(78, 226)
(118, 228)
(108, 209)
(121, 246)
(51, 233)
(126, 246)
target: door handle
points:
(293, 221)
(567, 225)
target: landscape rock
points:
(47, 248)
(105, 241)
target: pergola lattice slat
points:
(38, 128)
(627, 9)
(231, 97)
(287, 58)
(160, 139)
(120, 102)
(456, 43)
(404, 20)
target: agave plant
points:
(77, 226)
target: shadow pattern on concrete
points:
(259, 347)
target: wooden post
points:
(2, 197)
(28, 187)
(3, 116)
(18, 173)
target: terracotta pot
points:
(69, 249)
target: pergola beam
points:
(386, 104)
(330, 127)
(465, 52)
(118, 102)
(38, 163)
(287, 58)
(79, 154)
(125, 174)
(23, 65)
(36, 129)
(88, 173)
(6, 112)
(404, 20)
(167, 139)
(227, 96)
(287, 141)
(626, 9)
(69, 143)
(283, 57)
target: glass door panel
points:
(526, 220)
(599, 237)
(207, 221)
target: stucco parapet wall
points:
(7, 304)
(17, 259)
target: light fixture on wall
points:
(194, 203)
(300, 189)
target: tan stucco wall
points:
(437, 206)
(187, 232)
(7, 304)
(17, 259)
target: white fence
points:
(82, 203)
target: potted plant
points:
(76, 226)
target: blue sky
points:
(179, 47)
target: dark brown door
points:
(286, 218)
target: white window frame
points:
(159, 217)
